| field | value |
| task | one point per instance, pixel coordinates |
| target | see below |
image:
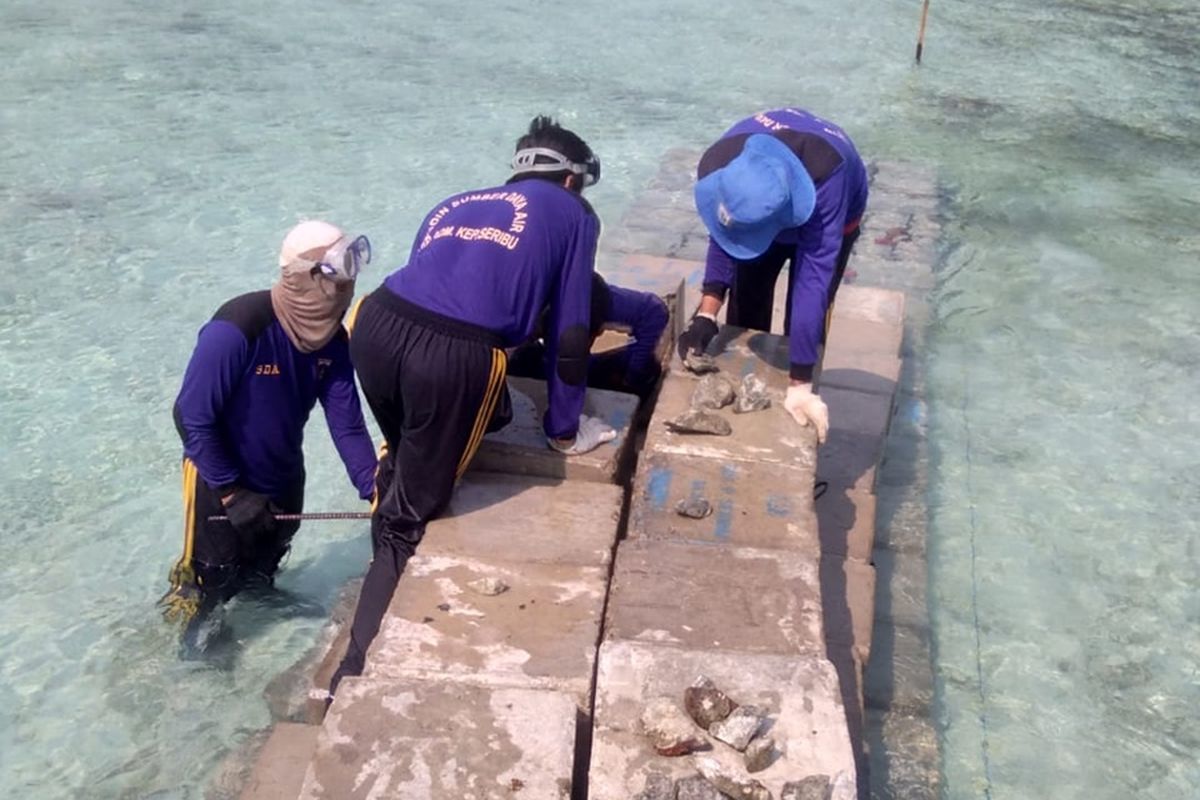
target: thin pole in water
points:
(921, 34)
(316, 515)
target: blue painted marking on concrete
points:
(724, 520)
(728, 472)
(779, 505)
(658, 487)
(697, 489)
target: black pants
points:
(435, 386)
(752, 295)
(217, 561)
(605, 371)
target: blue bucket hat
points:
(755, 197)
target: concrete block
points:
(769, 436)
(527, 519)
(860, 412)
(279, 771)
(848, 605)
(521, 449)
(849, 460)
(904, 760)
(647, 273)
(903, 585)
(852, 334)
(442, 741)
(801, 697)
(846, 522)
(869, 303)
(898, 675)
(859, 371)
(858, 426)
(715, 597)
(540, 633)
(754, 505)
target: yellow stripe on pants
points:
(486, 408)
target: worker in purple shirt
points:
(429, 345)
(634, 368)
(260, 365)
(781, 186)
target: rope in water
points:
(983, 719)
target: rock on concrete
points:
(442, 741)
(520, 448)
(800, 696)
(727, 598)
(540, 633)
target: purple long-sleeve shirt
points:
(497, 258)
(840, 179)
(644, 317)
(247, 394)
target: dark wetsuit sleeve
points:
(814, 268)
(644, 316)
(568, 342)
(343, 414)
(718, 270)
(213, 374)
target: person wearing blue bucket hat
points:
(782, 186)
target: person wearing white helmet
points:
(259, 367)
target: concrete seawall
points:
(812, 613)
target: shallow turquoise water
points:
(152, 158)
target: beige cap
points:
(308, 235)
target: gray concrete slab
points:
(851, 334)
(769, 436)
(849, 460)
(753, 505)
(848, 605)
(904, 759)
(521, 449)
(846, 521)
(442, 741)
(541, 632)
(279, 770)
(859, 371)
(799, 695)
(715, 597)
(869, 303)
(898, 676)
(527, 519)
(904, 577)
(648, 273)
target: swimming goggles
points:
(526, 160)
(345, 258)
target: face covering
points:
(309, 305)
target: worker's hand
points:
(807, 408)
(699, 333)
(249, 512)
(592, 433)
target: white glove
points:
(592, 433)
(808, 409)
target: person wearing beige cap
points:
(259, 367)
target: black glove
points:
(695, 339)
(250, 512)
